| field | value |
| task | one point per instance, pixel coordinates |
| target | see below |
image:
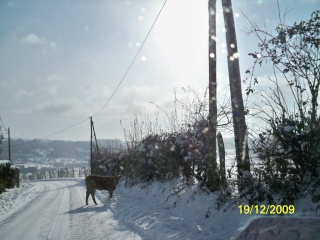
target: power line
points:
(67, 128)
(124, 76)
(72, 126)
(132, 60)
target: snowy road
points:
(55, 209)
(59, 212)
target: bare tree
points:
(289, 146)
(293, 53)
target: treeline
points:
(51, 149)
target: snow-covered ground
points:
(55, 209)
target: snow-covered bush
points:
(177, 149)
(9, 175)
(165, 156)
(162, 157)
(289, 154)
(108, 162)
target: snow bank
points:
(15, 198)
(172, 211)
(168, 210)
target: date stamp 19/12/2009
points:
(266, 209)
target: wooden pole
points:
(239, 122)
(91, 163)
(95, 137)
(222, 157)
(213, 178)
(9, 146)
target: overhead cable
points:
(72, 126)
(124, 76)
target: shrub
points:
(9, 176)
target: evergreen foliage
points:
(9, 176)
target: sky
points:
(61, 61)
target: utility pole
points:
(213, 178)
(239, 122)
(93, 134)
(91, 163)
(9, 145)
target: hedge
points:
(9, 175)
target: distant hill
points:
(22, 149)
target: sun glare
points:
(182, 35)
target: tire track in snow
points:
(85, 221)
(7, 217)
(60, 224)
(29, 222)
(58, 211)
(95, 221)
(37, 218)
